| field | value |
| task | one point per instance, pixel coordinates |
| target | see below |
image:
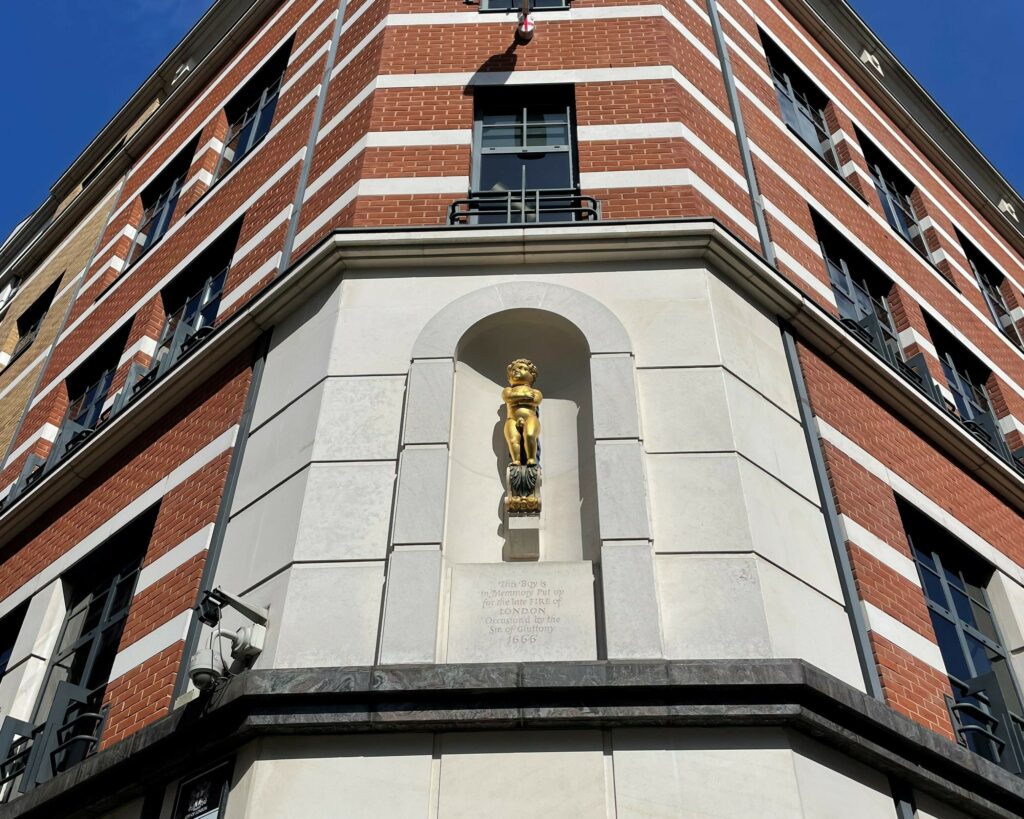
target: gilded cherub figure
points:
(522, 429)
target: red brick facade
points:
(395, 74)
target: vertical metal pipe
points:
(767, 250)
(223, 513)
(307, 162)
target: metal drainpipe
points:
(63, 322)
(224, 511)
(902, 795)
(756, 203)
(223, 514)
(307, 163)
(865, 656)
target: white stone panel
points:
(833, 786)
(330, 616)
(521, 612)
(20, 686)
(279, 448)
(346, 511)
(515, 775)
(419, 508)
(712, 607)
(807, 625)
(614, 389)
(342, 777)
(428, 411)
(621, 491)
(751, 345)
(260, 540)
(685, 410)
(788, 530)
(298, 353)
(632, 621)
(697, 504)
(377, 339)
(41, 627)
(731, 773)
(669, 333)
(413, 590)
(1007, 598)
(770, 438)
(359, 419)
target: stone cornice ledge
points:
(361, 253)
(514, 696)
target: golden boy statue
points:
(522, 429)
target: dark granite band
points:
(716, 693)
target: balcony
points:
(33, 754)
(985, 724)
(507, 207)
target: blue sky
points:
(70, 64)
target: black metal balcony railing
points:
(33, 754)
(984, 425)
(498, 207)
(984, 722)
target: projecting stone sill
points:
(726, 693)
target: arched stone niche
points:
(474, 521)
(451, 459)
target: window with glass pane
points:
(965, 374)
(251, 111)
(10, 626)
(801, 103)
(894, 192)
(159, 200)
(991, 281)
(192, 298)
(99, 592)
(524, 157)
(89, 385)
(861, 291)
(31, 320)
(987, 700)
(517, 5)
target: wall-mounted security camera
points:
(206, 669)
(208, 666)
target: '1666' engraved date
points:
(521, 612)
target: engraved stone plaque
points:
(521, 612)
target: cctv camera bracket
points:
(220, 598)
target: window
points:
(192, 299)
(801, 102)
(990, 280)
(8, 291)
(251, 111)
(158, 201)
(894, 191)
(986, 705)
(517, 5)
(10, 626)
(861, 291)
(31, 320)
(965, 375)
(524, 159)
(88, 387)
(70, 713)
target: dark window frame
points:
(160, 201)
(954, 585)
(255, 105)
(895, 192)
(801, 104)
(990, 280)
(31, 319)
